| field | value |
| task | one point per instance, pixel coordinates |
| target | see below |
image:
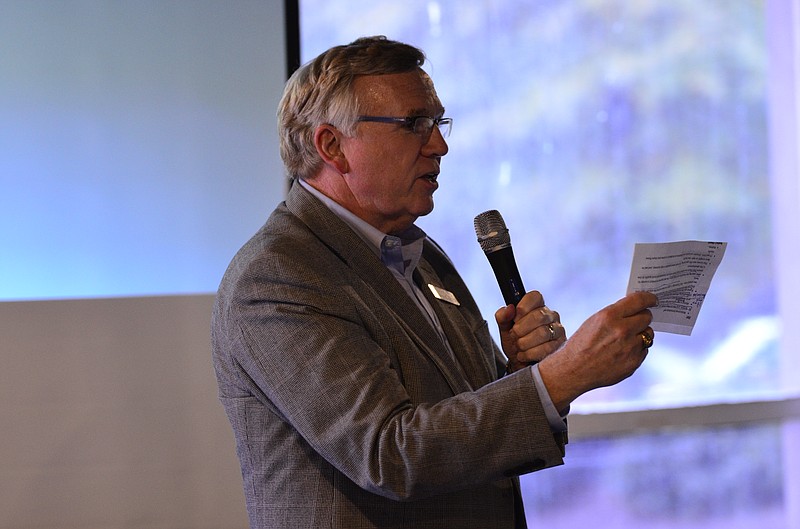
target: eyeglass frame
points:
(410, 123)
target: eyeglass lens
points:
(423, 126)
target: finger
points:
(560, 331)
(538, 352)
(548, 316)
(526, 323)
(634, 303)
(648, 336)
(530, 302)
(551, 334)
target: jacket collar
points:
(363, 260)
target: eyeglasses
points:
(420, 125)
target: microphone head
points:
(491, 231)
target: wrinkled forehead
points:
(401, 94)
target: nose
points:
(436, 145)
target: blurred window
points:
(592, 126)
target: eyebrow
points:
(424, 112)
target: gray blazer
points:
(348, 411)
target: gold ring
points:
(648, 341)
(552, 332)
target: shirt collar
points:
(401, 253)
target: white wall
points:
(137, 152)
(110, 417)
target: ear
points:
(327, 140)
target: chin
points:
(425, 210)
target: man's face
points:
(392, 170)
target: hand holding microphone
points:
(607, 348)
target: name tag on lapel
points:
(444, 295)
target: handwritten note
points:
(680, 274)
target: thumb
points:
(505, 317)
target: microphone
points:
(496, 244)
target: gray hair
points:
(321, 91)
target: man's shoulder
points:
(282, 238)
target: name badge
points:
(444, 295)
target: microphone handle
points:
(507, 274)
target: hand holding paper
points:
(680, 274)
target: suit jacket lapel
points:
(357, 254)
(458, 331)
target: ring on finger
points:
(647, 340)
(552, 331)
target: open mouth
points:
(431, 177)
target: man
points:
(361, 381)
